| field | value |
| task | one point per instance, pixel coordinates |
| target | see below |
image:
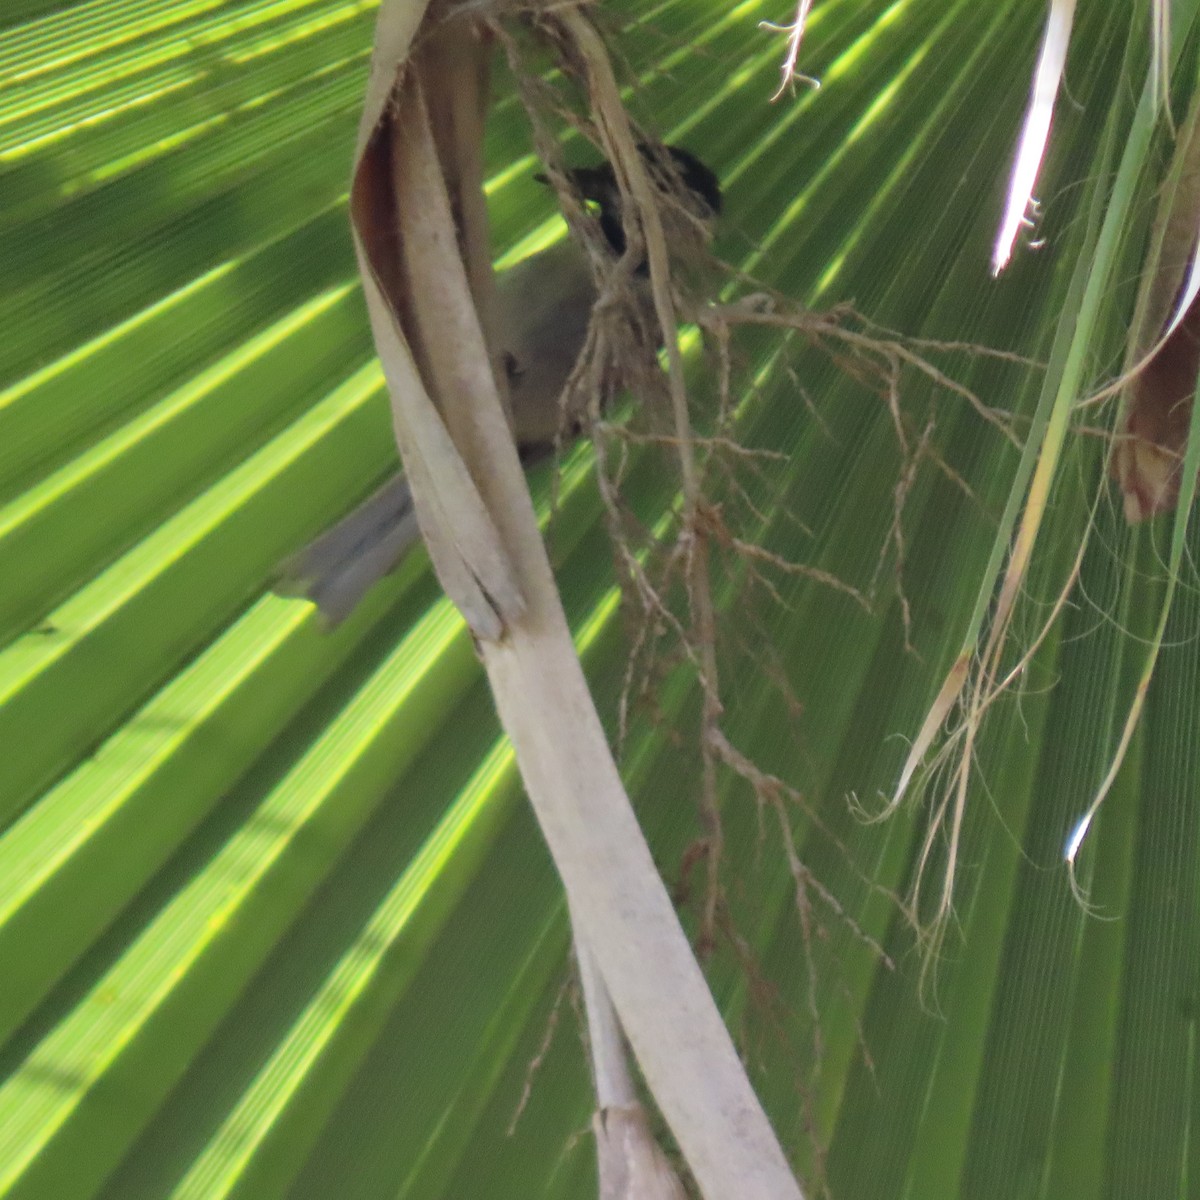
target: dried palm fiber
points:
(420, 235)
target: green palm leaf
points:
(274, 917)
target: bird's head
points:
(678, 171)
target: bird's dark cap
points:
(594, 183)
(699, 178)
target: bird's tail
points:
(337, 569)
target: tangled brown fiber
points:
(422, 235)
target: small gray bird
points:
(543, 307)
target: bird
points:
(543, 309)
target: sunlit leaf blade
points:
(274, 917)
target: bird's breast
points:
(544, 306)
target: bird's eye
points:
(512, 369)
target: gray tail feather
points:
(338, 568)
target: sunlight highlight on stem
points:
(1036, 132)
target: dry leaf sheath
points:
(1164, 344)
(478, 520)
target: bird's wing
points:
(338, 568)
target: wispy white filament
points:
(1036, 132)
(795, 32)
(1077, 835)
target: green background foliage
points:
(274, 917)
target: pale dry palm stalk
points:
(1156, 442)
(421, 239)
